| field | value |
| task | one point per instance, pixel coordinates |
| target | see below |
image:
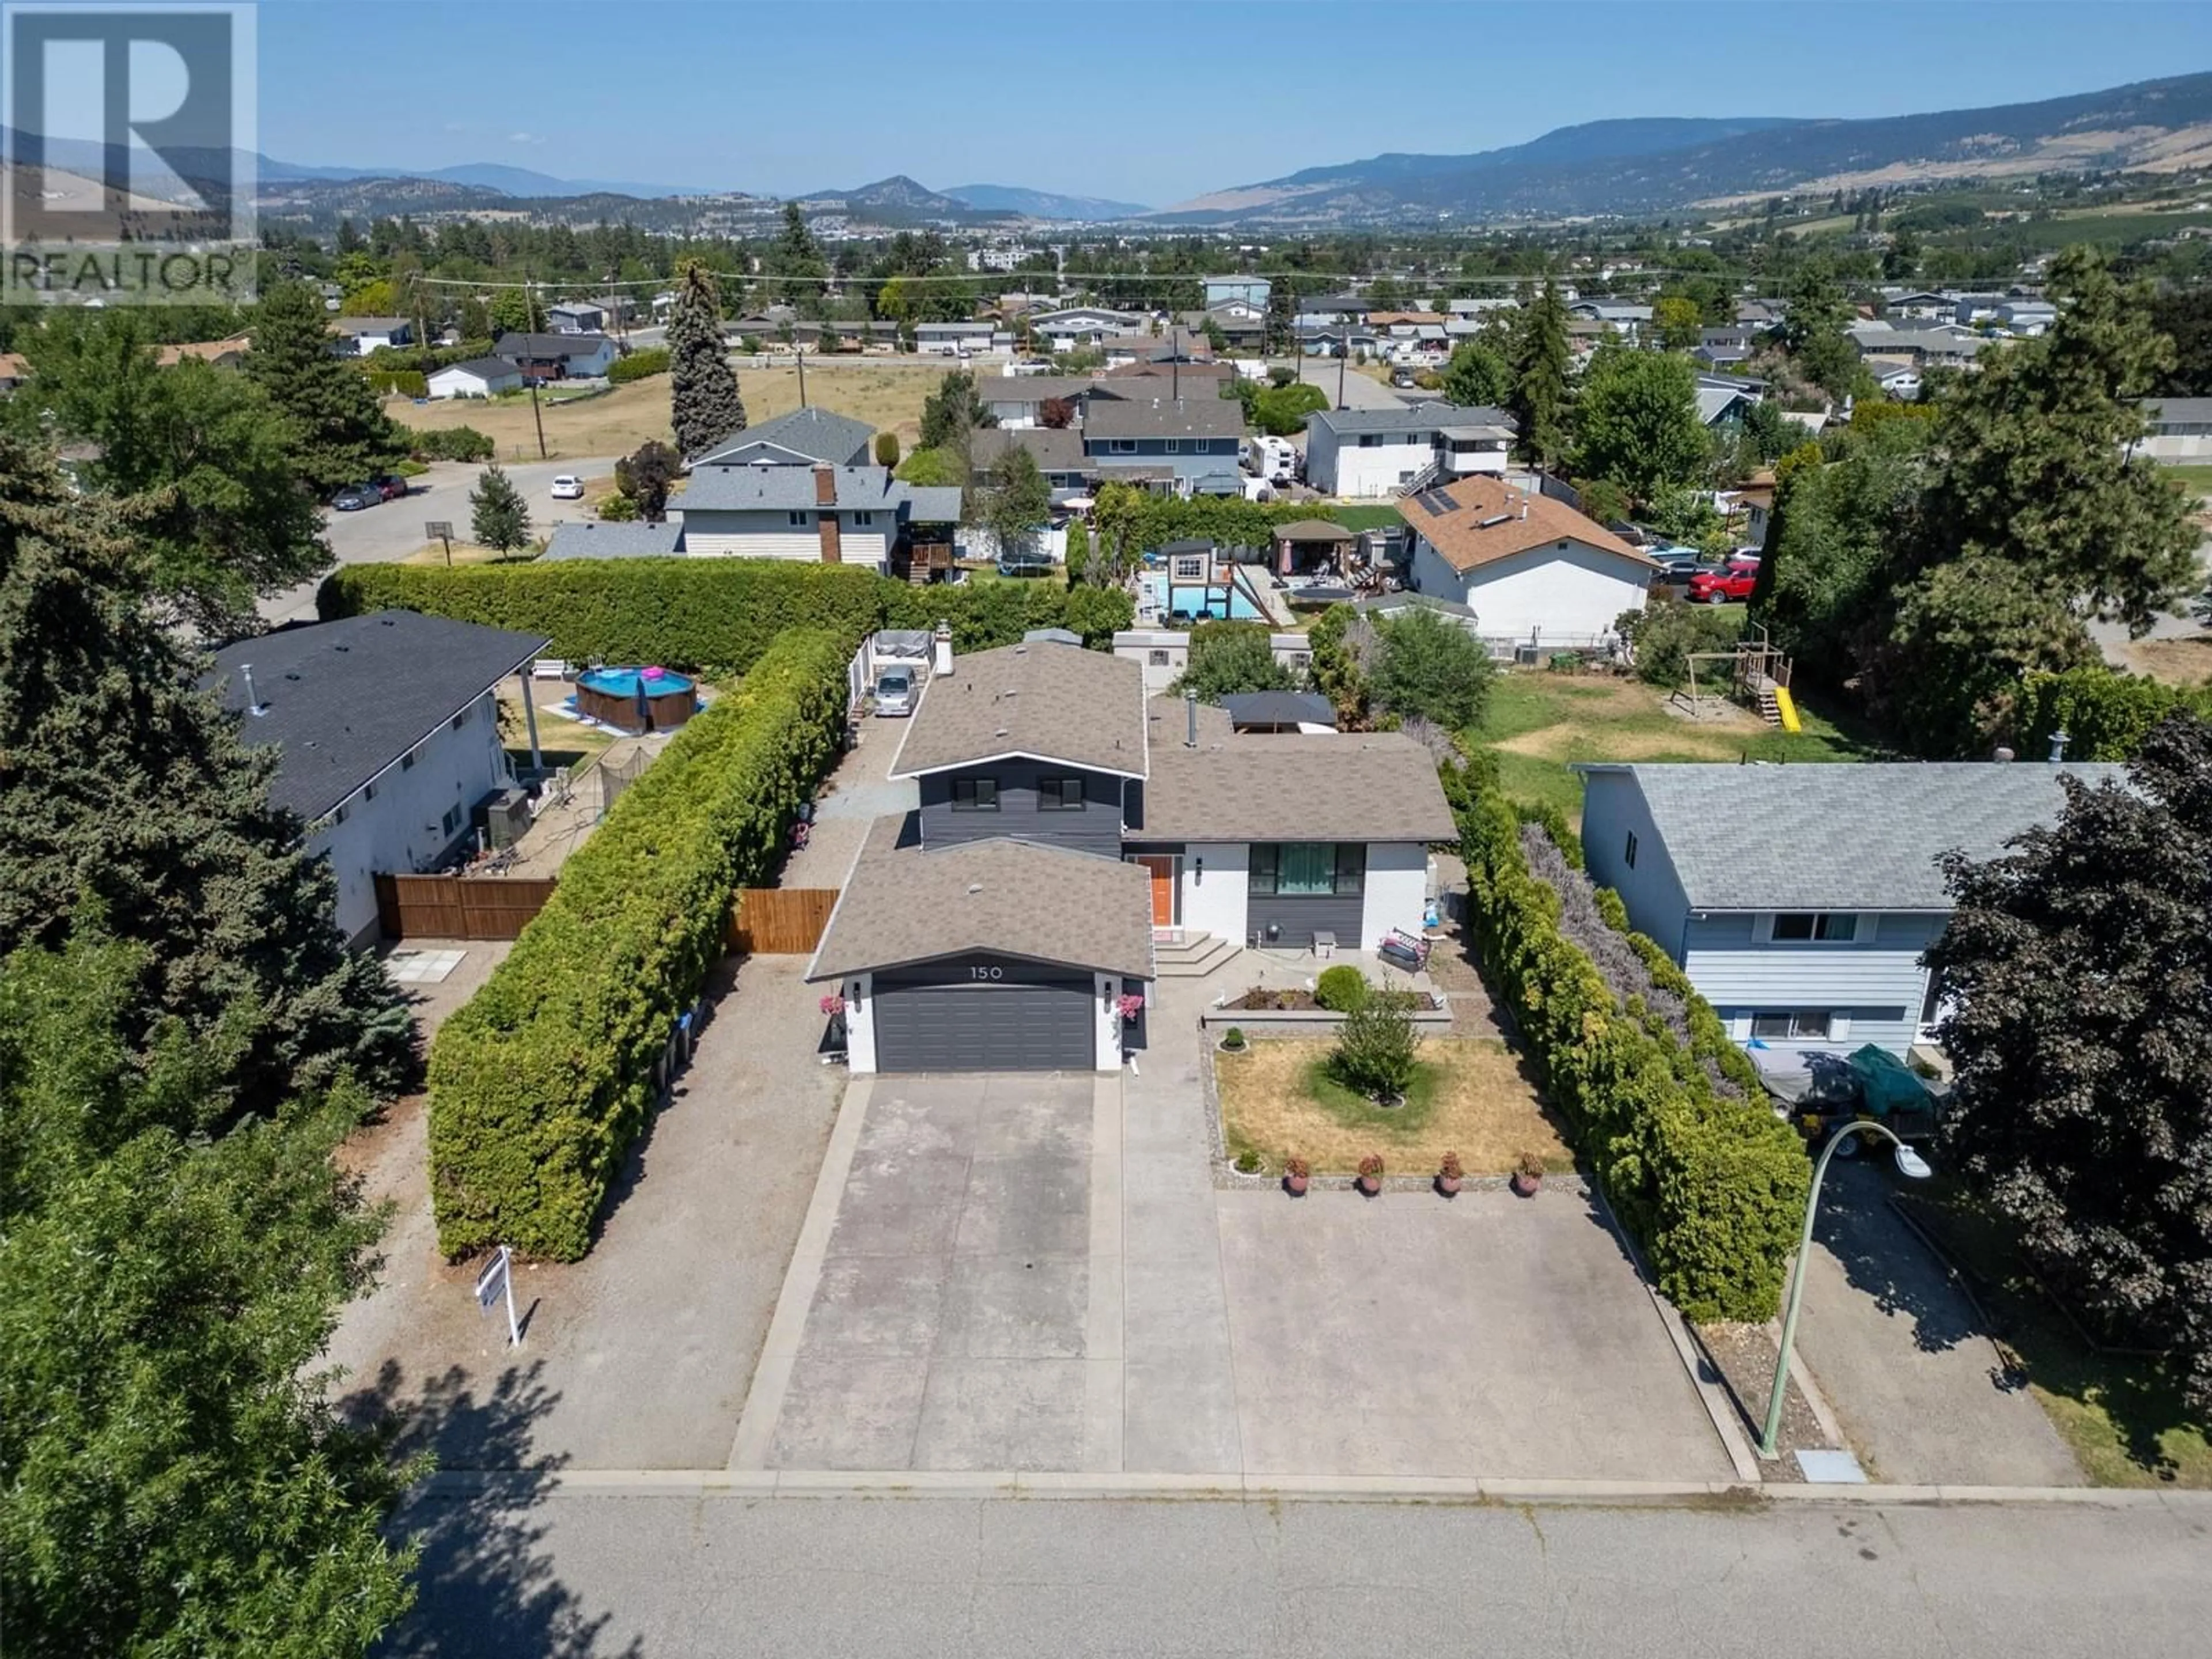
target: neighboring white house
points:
(953, 339)
(2180, 429)
(1363, 453)
(1165, 653)
(359, 336)
(557, 357)
(387, 735)
(1799, 899)
(1533, 570)
(825, 513)
(577, 317)
(479, 377)
(1080, 327)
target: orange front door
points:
(1164, 889)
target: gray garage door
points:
(1033, 1023)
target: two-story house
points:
(1197, 439)
(1065, 825)
(576, 317)
(1799, 899)
(801, 438)
(387, 733)
(833, 514)
(1533, 570)
(1363, 453)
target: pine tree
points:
(1540, 378)
(339, 434)
(125, 791)
(702, 388)
(498, 516)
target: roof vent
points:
(1001, 733)
(254, 703)
(974, 887)
(1493, 524)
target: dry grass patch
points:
(1470, 1096)
(2178, 662)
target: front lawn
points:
(1362, 518)
(1538, 723)
(1468, 1097)
(2197, 480)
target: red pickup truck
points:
(1733, 581)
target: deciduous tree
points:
(1638, 421)
(1014, 505)
(1427, 668)
(1231, 657)
(704, 407)
(1679, 320)
(1478, 374)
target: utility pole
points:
(530, 296)
(798, 356)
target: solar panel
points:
(1433, 503)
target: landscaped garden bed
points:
(1279, 1099)
(1298, 1000)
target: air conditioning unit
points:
(505, 814)
(1526, 655)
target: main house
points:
(1196, 440)
(1067, 822)
(387, 737)
(833, 514)
(1800, 899)
(1533, 570)
(1361, 453)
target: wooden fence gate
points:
(780, 921)
(459, 907)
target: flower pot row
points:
(1527, 1176)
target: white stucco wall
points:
(1367, 473)
(1213, 897)
(1106, 991)
(860, 1022)
(1567, 591)
(396, 822)
(1139, 645)
(1396, 890)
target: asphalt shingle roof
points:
(1415, 418)
(1278, 709)
(821, 435)
(1202, 416)
(484, 368)
(1083, 707)
(344, 700)
(592, 539)
(906, 904)
(784, 489)
(1480, 520)
(1843, 837)
(1373, 786)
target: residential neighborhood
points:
(1456, 900)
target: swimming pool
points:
(636, 699)
(1195, 601)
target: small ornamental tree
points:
(1377, 1048)
(647, 478)
(1229, 657)
(498, 516)
(887, 449)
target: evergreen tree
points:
(1812, 330)
(952, 413)
(124, 789)
(339, 434)
(796, 264)
(1277, 324)
(176, 1482)
(498, 516)
(702, 388)
(1540, 378)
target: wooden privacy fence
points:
(459, 907)
(780, 921)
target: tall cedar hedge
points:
(1712, 1189)
(540, 1083)
(2106, 716)
(715, 616)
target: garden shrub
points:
(407, 382)
(1377, 1047)
(448, 443)
(887, 449)
(1340, 988)
(540, 1083)
(618, 509)
(712, 615)
(1666, 631)
(651, 360)
(1664, 1107)
(2106, 716)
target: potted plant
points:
(1370, 1174)
(1297, 1172)
(1449, 1174)
(1527, 1175)
(1232, 1040)
(833, 1006)
(1131, 1004)
(1247, 1162)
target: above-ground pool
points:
(636, 699)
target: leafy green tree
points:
(2076, 967)
(939, 468)
(2184, 317)
(1541, 358)
(1014, 505)
(646, 477)
(1281, 410)
(1638, 421)
(177, 1484)
(1378, 1047)
(1478, 375)
(498, 516)
(123, 790)
(704, 407)
(1216, 340)
(952, 413)
(338, 433)
(1428, 668)
(1820, 590)
(197, 458)
(1679, 320)
(1231, 657)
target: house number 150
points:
(987, 973)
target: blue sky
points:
(1138, 101)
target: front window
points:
(1059, 795)
(1801, 1025)
(453, 820)
(796, 520)
(1125, 445)
(1826, 927)
(975, 794)
(1303, 869)
(1175, 445)
(1190, 568)
(863, 520)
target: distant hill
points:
(1644, 166)
(1043, 204)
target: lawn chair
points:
(1403, 950)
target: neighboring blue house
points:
(1799, 899)
(1198, 438)
(1253, 290)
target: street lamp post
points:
(1909, 1163)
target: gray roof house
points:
(1196, 438)
(386, 736)
(593, 539)
(2180, 429)
(1071, 835)
(1800, 899)
(832, 514)
(799, 438)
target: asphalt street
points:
(659, 1577)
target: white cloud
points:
(524, 138)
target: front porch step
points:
(1192, 957)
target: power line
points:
(1438, 280)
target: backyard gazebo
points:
(1305, 545)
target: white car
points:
(568, 488)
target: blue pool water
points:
(1191, 599)
(626, 682)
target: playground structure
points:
(1751, 670)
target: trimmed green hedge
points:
(712, 615)
(407, 382)
(540, 1083)
(652, 360)
(2106, 716)
(1712, 1188)
(1230, 520)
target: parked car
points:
(1733, 581)
(895, 691)
(1677, 570)
(390, 486)
(568, 488)
(354, 497)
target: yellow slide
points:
(1787, 708)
